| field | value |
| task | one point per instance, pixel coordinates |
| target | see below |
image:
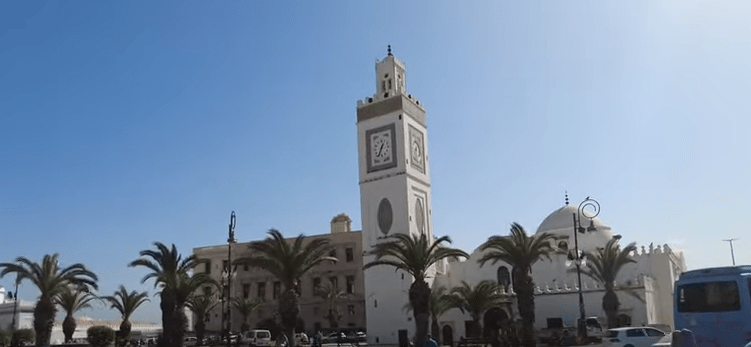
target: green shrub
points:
(100, 336)
(5, 337)
(23, 334)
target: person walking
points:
(430, 342)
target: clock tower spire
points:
(395, 196)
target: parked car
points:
(190, 341)
(334, 337)
(257, 338)
(301, 339)
(632, 337)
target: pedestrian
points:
(429, 342)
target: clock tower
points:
(394, 193)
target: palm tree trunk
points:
(180, 322)
(610, 305)
(419, 298)
(167, 305)
(435, 329)
(200, 328)
(125, 327)
(525, 300)
(69, 327)
(289, 308)
(44, 319)
(478, 325)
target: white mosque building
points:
(395, 195)
(646, 294)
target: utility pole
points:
(732, 254)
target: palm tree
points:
(415, 255)
(126, 303)
(520, 252)
(476, 300)
(51, 281)
(186, 287)
(603, 266)
(72, 300)
(246, 307)
(168, 269)
(201, 305)
(332, 295)
(288, 262)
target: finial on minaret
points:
(390, 51)
(566, 197)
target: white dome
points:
(561, 224)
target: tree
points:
(246, 307)
(168, 269)
(288, 262)
(520, 252)
(603, 266)
(332, 295)
(476, 300)
(415, 255)
(51, 280)
(72, 300)
(126, 303)
(201, 305)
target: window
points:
(246, 290)
(262, 291)
(315, 310)
(634, 333)
(224, 265)
(332, 253)
(245, 267)
(350, 254)
(277, 289)
(654, 332)
(351, 309)
(208, 266)
(709, 297)
(207, 290)
(503, 277)
(350, 284)
(334, 282)
(316, 285)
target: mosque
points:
(395, 197)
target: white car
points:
(301, 339)
(257, 338)
(632, 337)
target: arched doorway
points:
(495, 322)
(447, 336)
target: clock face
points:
(381, 148)
(417, 152)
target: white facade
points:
(394, 191)
(396, 198)
(651, 278)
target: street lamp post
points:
(732, 254)
(593, 207)
(230, 273)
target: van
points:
(257, 338)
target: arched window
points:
(504, 278)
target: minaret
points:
(394, 193)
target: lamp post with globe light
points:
(589, 208)
(228, 273)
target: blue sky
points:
(124, 123)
